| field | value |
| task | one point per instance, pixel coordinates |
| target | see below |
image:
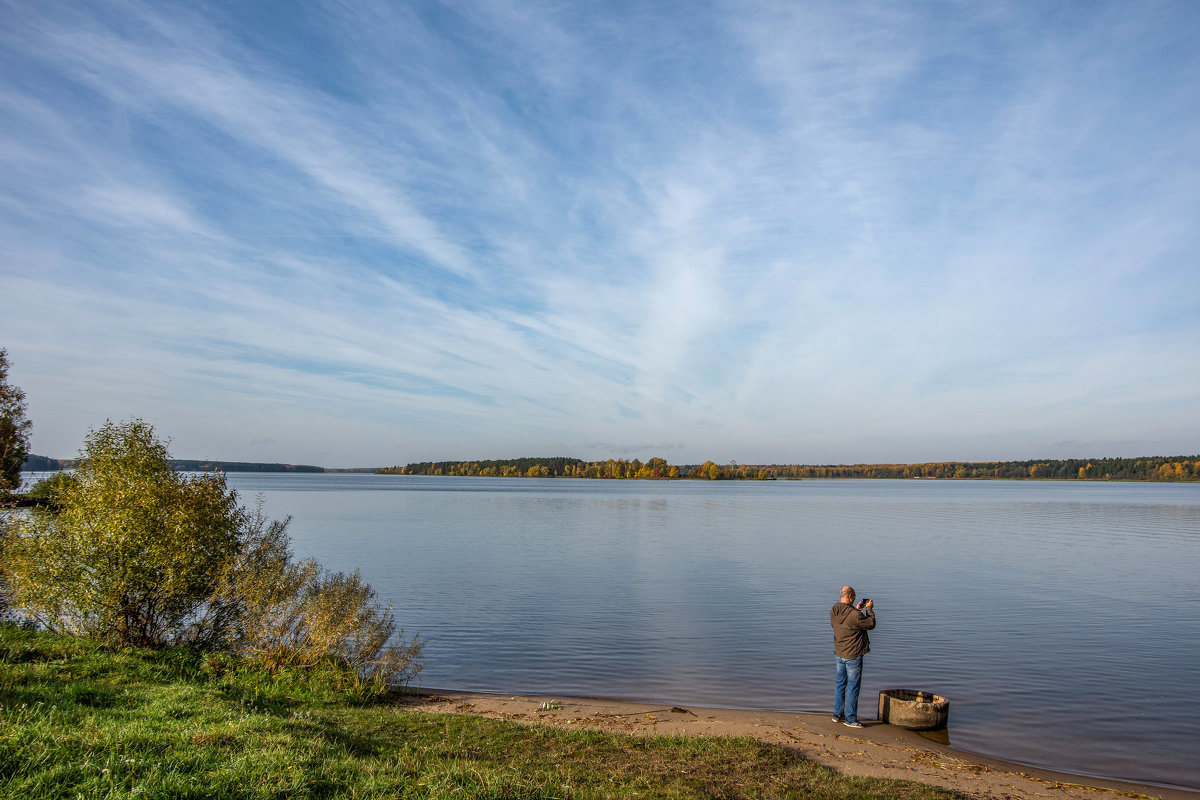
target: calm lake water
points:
(1061, 619)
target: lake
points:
(1061, 619)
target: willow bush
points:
(133, 550)
(134, 553)
(297, 614)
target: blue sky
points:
(363, 233)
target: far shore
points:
(877, 750)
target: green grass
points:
(79, 720)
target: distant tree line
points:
(186, 465)
(1150, 468)
(556, 467)
(36, 463)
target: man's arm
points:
(864, 622)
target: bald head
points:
(848, 594)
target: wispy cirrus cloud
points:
(371, 233)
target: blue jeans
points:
(845, 693)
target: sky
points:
(368, 233)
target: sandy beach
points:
(877, 750)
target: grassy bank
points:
(79, 720)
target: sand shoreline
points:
(877, 750)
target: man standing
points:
(850, 643)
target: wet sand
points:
(877, 750)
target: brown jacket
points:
(850, 628)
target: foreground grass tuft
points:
(80, 720)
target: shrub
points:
(50, 487)
(296, 614)
(133, 552)
(134, 549)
